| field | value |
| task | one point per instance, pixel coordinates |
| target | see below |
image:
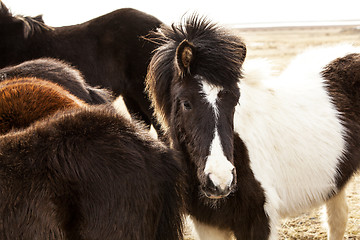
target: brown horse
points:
(71, 171)
(108, 50)
(87, 174)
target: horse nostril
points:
(210, 184)
(214, 191)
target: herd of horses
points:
(238, 149)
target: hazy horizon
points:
(228, 12)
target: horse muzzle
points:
(213, 190)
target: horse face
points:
(205, 113)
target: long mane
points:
(31, 24)
(218, 58)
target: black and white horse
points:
(109, 50)
(86, 173)
(292, 144)
(302, 132)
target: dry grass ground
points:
(280, 45)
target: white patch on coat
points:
(217, 165)
(293, 133)
(207, 232)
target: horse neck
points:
(36, 46)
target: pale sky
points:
(67, 12)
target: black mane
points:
(33, 25)
(219, 55)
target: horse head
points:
(15, 32)
(193, 83)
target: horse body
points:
(292, 131)
(87, 174)
(114, 40)
(301, 132)
(60, 73)
(70, 171)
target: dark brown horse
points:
(81, 173)
(108, 50)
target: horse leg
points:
(337, 215)
(258, 228)
(207, 232)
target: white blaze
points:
(217, 165)
(211, 94)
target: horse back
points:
(26, 100)
(116, 41)
(96, 169)
(342, 78)
(58, 72)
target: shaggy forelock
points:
(219, 55)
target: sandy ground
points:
(280, 45)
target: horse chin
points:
(215, 197)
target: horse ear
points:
(39, 18)
(4, 11)
(184, 56)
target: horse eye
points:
(186, 105)
(223, 93)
